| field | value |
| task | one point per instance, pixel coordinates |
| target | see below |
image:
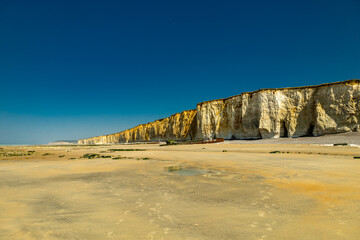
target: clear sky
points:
(76, 69)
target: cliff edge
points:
(265, 113)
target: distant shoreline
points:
(351, 138)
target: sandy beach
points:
(211, 191)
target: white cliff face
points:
(337, 109)
(267, 113)
(175, 127)
(288, 112)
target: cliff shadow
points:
(284, 133)
(251, 118)
(305, 122)
(193, 128)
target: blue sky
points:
(76, 69)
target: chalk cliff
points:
(174, 127)
(266, 113)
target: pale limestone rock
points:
(266, 113)
(176, 126)
(288, 112)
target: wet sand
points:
(213, 191)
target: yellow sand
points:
(245, 192)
